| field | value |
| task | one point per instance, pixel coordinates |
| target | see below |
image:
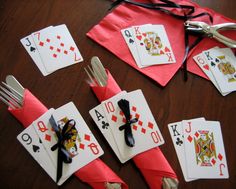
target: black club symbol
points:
(105, 125)
(179, 142)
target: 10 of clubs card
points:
(204, 149)
(152, 44)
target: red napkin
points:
(151, 163)
(96, 173)
(107, 34)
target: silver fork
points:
(10, 97)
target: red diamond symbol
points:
(41, 43)
(196, 134)
(48, 137)
(124, 120)
(150, 125)
(65, 52)
(62, 44)
(140, 123)
(137, 116)
(134, 108)
(114, 118)
(213, 161)
(54, 55)
(135, 127)
(72, 48)
(48, 40)
(58, 37)
(51, 47)
(87, 137)
(190, 138)
(143, 130)
(58, 50)
(220, 157)
(81, 146)
(121, 113)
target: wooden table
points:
(177, 101)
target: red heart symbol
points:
(167, 49)
(206, 67)
(144, 34)
(139, 37)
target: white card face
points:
(203, 64)
(30, 47)
(45, 132)
(129, 39)
(56, 47)
(223, 68)
(177, 137)
(30, 140)
(85, 148)
(204, 150)
(145, 131)
(153, 45)
(100, 119)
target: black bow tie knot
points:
(129, 139)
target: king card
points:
(204, 149)
(153, 45)
(223, 68)
(177, 137)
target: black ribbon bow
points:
(62, 135)
(187, 14)
(124, 106)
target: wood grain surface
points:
(177, 101)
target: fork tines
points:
(10, 97)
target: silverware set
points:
(11, 92)
(96, 73)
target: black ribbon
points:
(62, 135)
(124, 106)
(188, 10)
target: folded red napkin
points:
(96, 173)
(151, 163)
(107, 34)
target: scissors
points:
(202, 28)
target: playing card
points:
(129, 39)
(30, 140)
(204, 149)
(145, 131)
(177, 137)
(30, 47)
(56, 47)
(203, 64)
(223, 68)
(83, 147)
(100, 119)
(45, 132)
(153, 45)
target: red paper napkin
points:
(151, 163)
(107, 34)
(96, 173)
